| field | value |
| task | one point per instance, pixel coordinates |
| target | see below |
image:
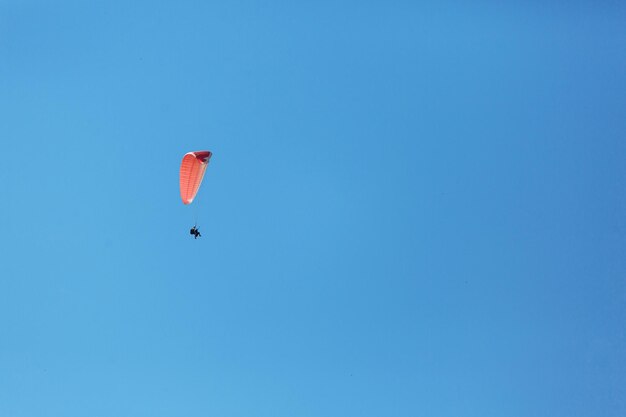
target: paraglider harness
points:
(194, 231)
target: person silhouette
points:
(194, 231)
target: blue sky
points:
(413, 209)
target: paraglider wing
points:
(191, 173)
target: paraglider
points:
(192, 170)
(195, 232)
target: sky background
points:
(413, 208)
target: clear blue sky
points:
(413, 209)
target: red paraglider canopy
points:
(191, 173)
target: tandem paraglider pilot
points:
(195, 232)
